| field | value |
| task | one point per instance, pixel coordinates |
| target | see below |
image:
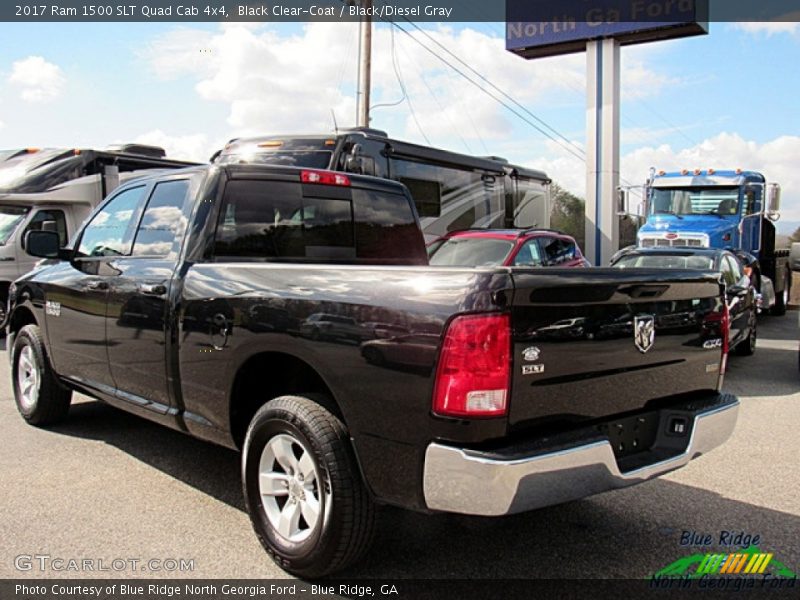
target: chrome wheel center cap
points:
(296, 490)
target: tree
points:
(568, 213)
(795, 237)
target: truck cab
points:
(726, 209)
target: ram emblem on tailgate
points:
(644, 332)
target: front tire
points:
(303, 489)
(40, 399)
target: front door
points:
(137, 325)
(751, 218)
(76, 293)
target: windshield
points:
(665, 261)
(695, 201)
(32, 172)
(471, 252)
(10, 218)
(313, 159)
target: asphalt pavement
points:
(106, 486)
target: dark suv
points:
(506, 247)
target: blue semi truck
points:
(719, 209)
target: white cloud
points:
(776, 159)
(770, 28)
(275, 83)
(193, 147)
(271, 83)
(37, 79)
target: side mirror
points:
(773, 202)
(622, 201)
(43, 244)
(353, 162)
(741, 288)
(794, 257)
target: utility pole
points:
(364, 64)
(602, 150)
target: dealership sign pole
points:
(539, 28)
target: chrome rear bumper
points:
(469, 482)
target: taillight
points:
(473, 376)
(325, 178)
(726, 334)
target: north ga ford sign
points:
(536, 28)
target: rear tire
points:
(303, 489)
(747, 347)
(40, 398)
(782, 299)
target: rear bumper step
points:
(478, 483)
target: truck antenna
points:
(335, 124)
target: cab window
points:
(163, 221)
(110, 232)
(274, 221)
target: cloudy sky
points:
(728, 99)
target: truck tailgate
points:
(593, 343)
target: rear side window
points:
(386, 228)
(273, 220)
(163, 221)
(558, 251)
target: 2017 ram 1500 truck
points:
(188, 298)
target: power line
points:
(572, 148)
(442, 109)
(497, 88)
(491, 95)
(387, 104)
(405, 92)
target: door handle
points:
(153, 289)
(97, 285)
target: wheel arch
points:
(22, 316)
(267, 375)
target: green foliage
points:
(567, 213)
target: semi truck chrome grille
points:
(664, 242)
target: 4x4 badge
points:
(644, 332)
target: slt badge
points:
(644, 332)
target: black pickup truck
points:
(193, 298)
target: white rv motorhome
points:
(56, 189)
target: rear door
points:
(595, 342)
(137, 327)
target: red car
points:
(506, 247)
